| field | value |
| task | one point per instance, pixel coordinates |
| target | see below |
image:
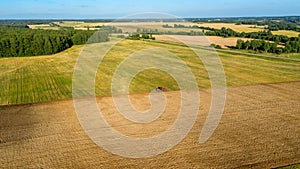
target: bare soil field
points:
(260, 128)
(78, 24)
(205, 40)
(43, 26)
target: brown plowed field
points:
(260, 128)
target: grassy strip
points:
(295, 166)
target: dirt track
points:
(260, 128)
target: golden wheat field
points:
(237, 28)
(286, 33)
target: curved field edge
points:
(294, 166)
(48, 78)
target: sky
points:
(114, 9)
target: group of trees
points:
(191, 33)
(275, 26)
(292, 44)
(157, 32)
(17, 42)
(138, 36)
(224, 32)
(262, 45)
(264, 35)
(259, 45)
(110, 29)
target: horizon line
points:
(120, 18)
(104, 18)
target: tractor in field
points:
(159, 89)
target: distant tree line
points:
(138, 36)
(292, 44)
(275, 26)
(17, 22)
(179, 26)
(18, 42)
(272, 23)
(110, 29)
(157, 32)
(292, 19)
(216, 46)
(259, 45)
(264, 35)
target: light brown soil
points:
(203, 40)
(260, 128)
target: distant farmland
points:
(132, 26)
(237, 28)
(223, 42)
(286, 33)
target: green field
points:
(47, 78)
(291, 55)
(296, 166)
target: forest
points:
(20, 41)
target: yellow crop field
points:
(237, 28)
(223, 42)
(286, 33)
